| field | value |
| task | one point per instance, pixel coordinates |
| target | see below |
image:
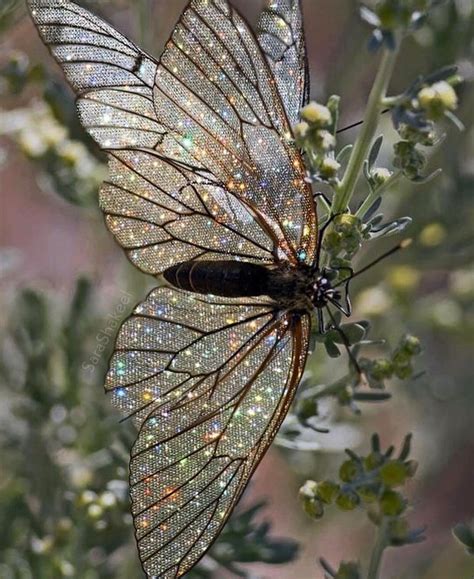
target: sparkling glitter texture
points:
(282, 38)
(202, 166)
(209, 381)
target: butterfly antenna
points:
(354, 125)
(403, 245)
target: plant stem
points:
(360, 151)
(331, 390)
(376, 193)
(377, 553)
(145, 9)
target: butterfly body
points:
(233, 279)
(292, 288)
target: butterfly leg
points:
(321, 324)
(322, 232)
(348, 309)
(323, 196)
(346, 343)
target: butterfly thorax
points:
(293, 288)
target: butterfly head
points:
(322, 290)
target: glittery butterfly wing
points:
(281, 36)
(215, 90)
(214, 173)
(201, 161)
(210, 381)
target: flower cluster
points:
(389, 17)
(344, 239)
(373, 483)
(368, 481)
(417, 112)
(316, 136)
(399, 364)
(69, 166)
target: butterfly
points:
(207, 192)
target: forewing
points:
(215, 93)
(209, 380)
(112, 77)
(281, 35)
(162, 207)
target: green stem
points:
(376, 193)
(145, 9)
(332, 389)
(359, 153)
(378, 552)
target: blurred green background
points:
(65, 286)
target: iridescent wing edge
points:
(281, 35)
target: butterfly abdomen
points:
(220, 278)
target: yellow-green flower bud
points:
(438, 98)
(381, 175)
(392, 503)
(414, 135)
(394, 473)
(327, 491)
(411, 345)
(404, 372)
(347, 500)
(373, 461)
(301, 131)
(66, 569)
(404, 278)
(426, 96)
(329, 168)
(446, 94)
(367, 494)
(312, 505)
(381, 369)
(314, 508)
(433, 235)
(325, 141)
(345, 395)
(332, 242)
(346, 223)
(409, 159)
(348, 471)
(316, 114)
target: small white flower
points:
(317, 114)
(301, 130)
(329, 168)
